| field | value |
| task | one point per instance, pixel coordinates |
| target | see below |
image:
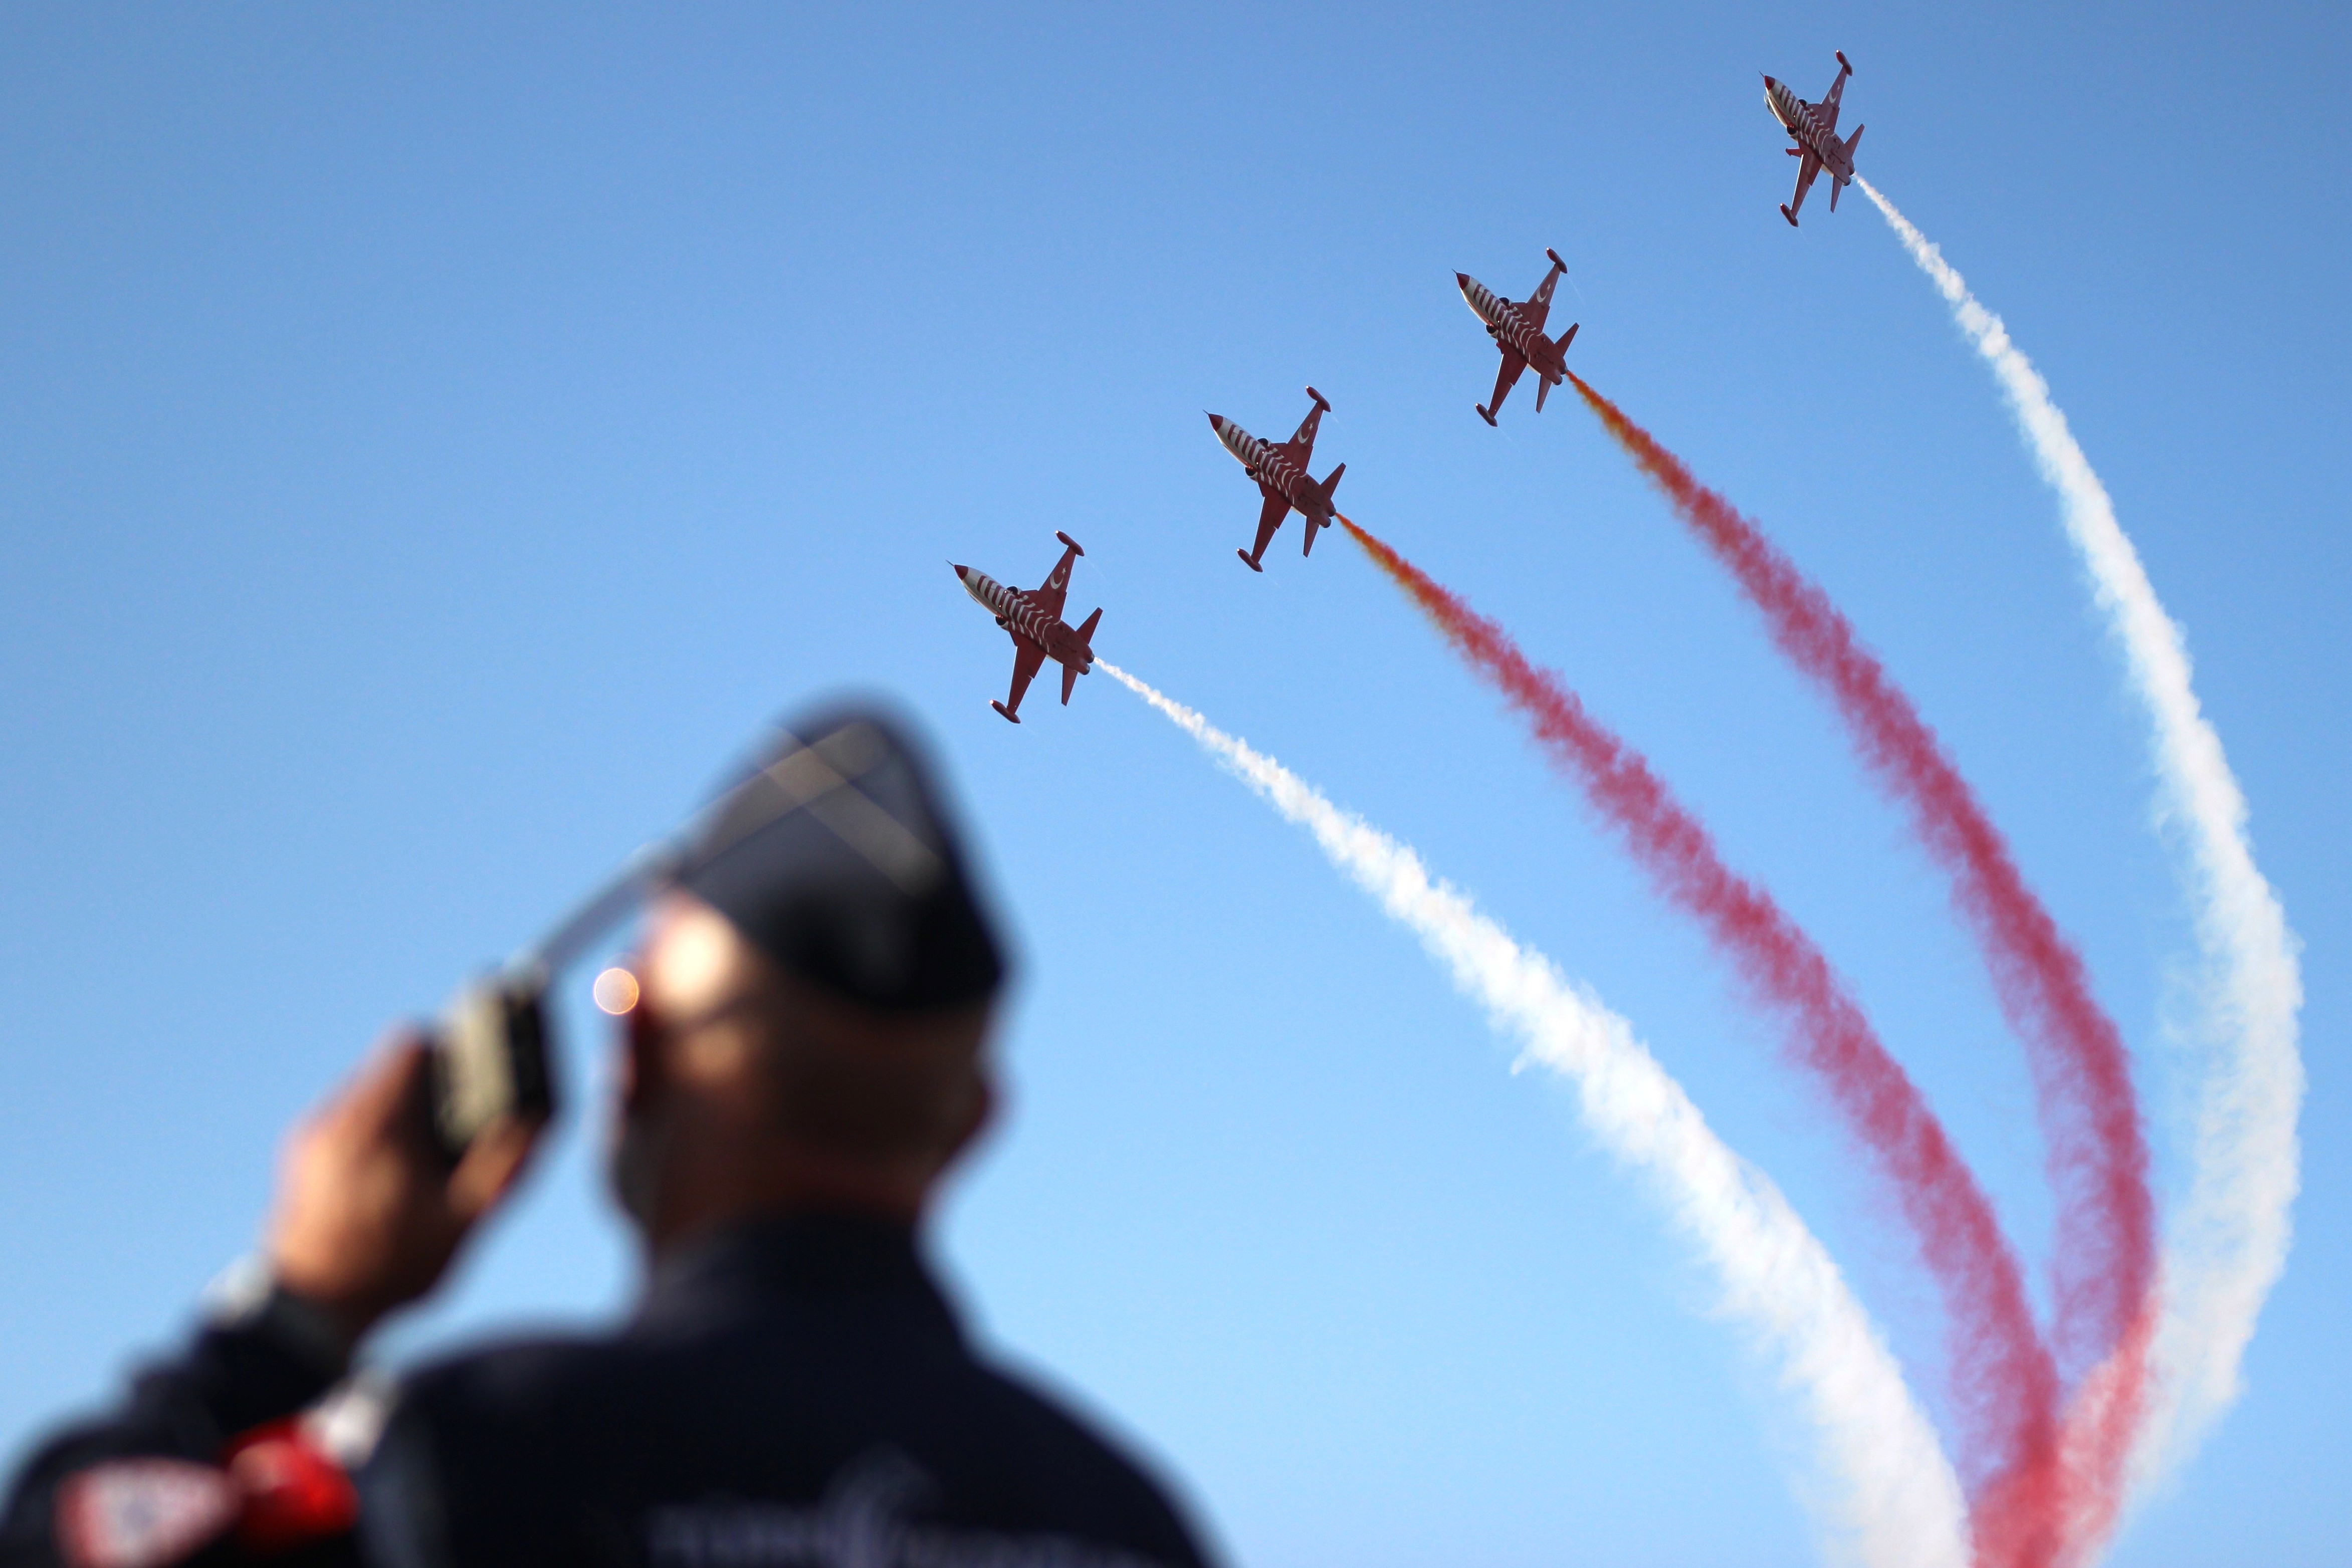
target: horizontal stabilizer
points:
(1069, 679)
(1087, 634)
(1565, 339)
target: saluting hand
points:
(369, 1213)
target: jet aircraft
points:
(1814, 127)
(1518, 332)
(1034, 621)
(1280, 473)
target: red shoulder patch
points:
(293, 1492)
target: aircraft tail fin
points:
(1316, 526)
(1848, 146)
(1071, 671)
(1545, 380)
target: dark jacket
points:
(793, 1392)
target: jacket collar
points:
(765, 1261)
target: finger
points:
(386, 1085)
(491, 1164)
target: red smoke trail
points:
(2005, 1383)
(2105, 1253)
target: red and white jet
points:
(1815, 126)
(1034, 621)
(1517, 330)
(1280, 473)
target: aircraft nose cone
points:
(1462, 281)
(1216, 423)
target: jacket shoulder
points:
(1042, 1443)
(519, 1380)
(590, 1450)
(476, 1445)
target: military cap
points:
(834, 856)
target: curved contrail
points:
(2005, 1389)
(2103, 1255)
(1896, 1500)
(2228, 1244)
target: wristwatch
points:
(247, 1297)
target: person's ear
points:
(642, 1074)
(977, 1114)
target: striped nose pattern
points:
(1019, 613)
(1483, 301)
(1503, 318)
(983, 588)
(1264, 463)
(1789, 108)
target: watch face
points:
(239, 1293)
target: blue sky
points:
(434, 440)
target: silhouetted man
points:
(804, 1059)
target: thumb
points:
(382, 1095)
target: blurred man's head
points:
(746, 1090)
(814, 995)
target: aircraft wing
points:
(1506, 377)
(1826, 111)
(1301, 446)
(1048, 595)
(1278, 506)
(1805, 173)
(1027, 658)
(1538, 303)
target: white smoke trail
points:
(2228, 1244)
(1895, 1498)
